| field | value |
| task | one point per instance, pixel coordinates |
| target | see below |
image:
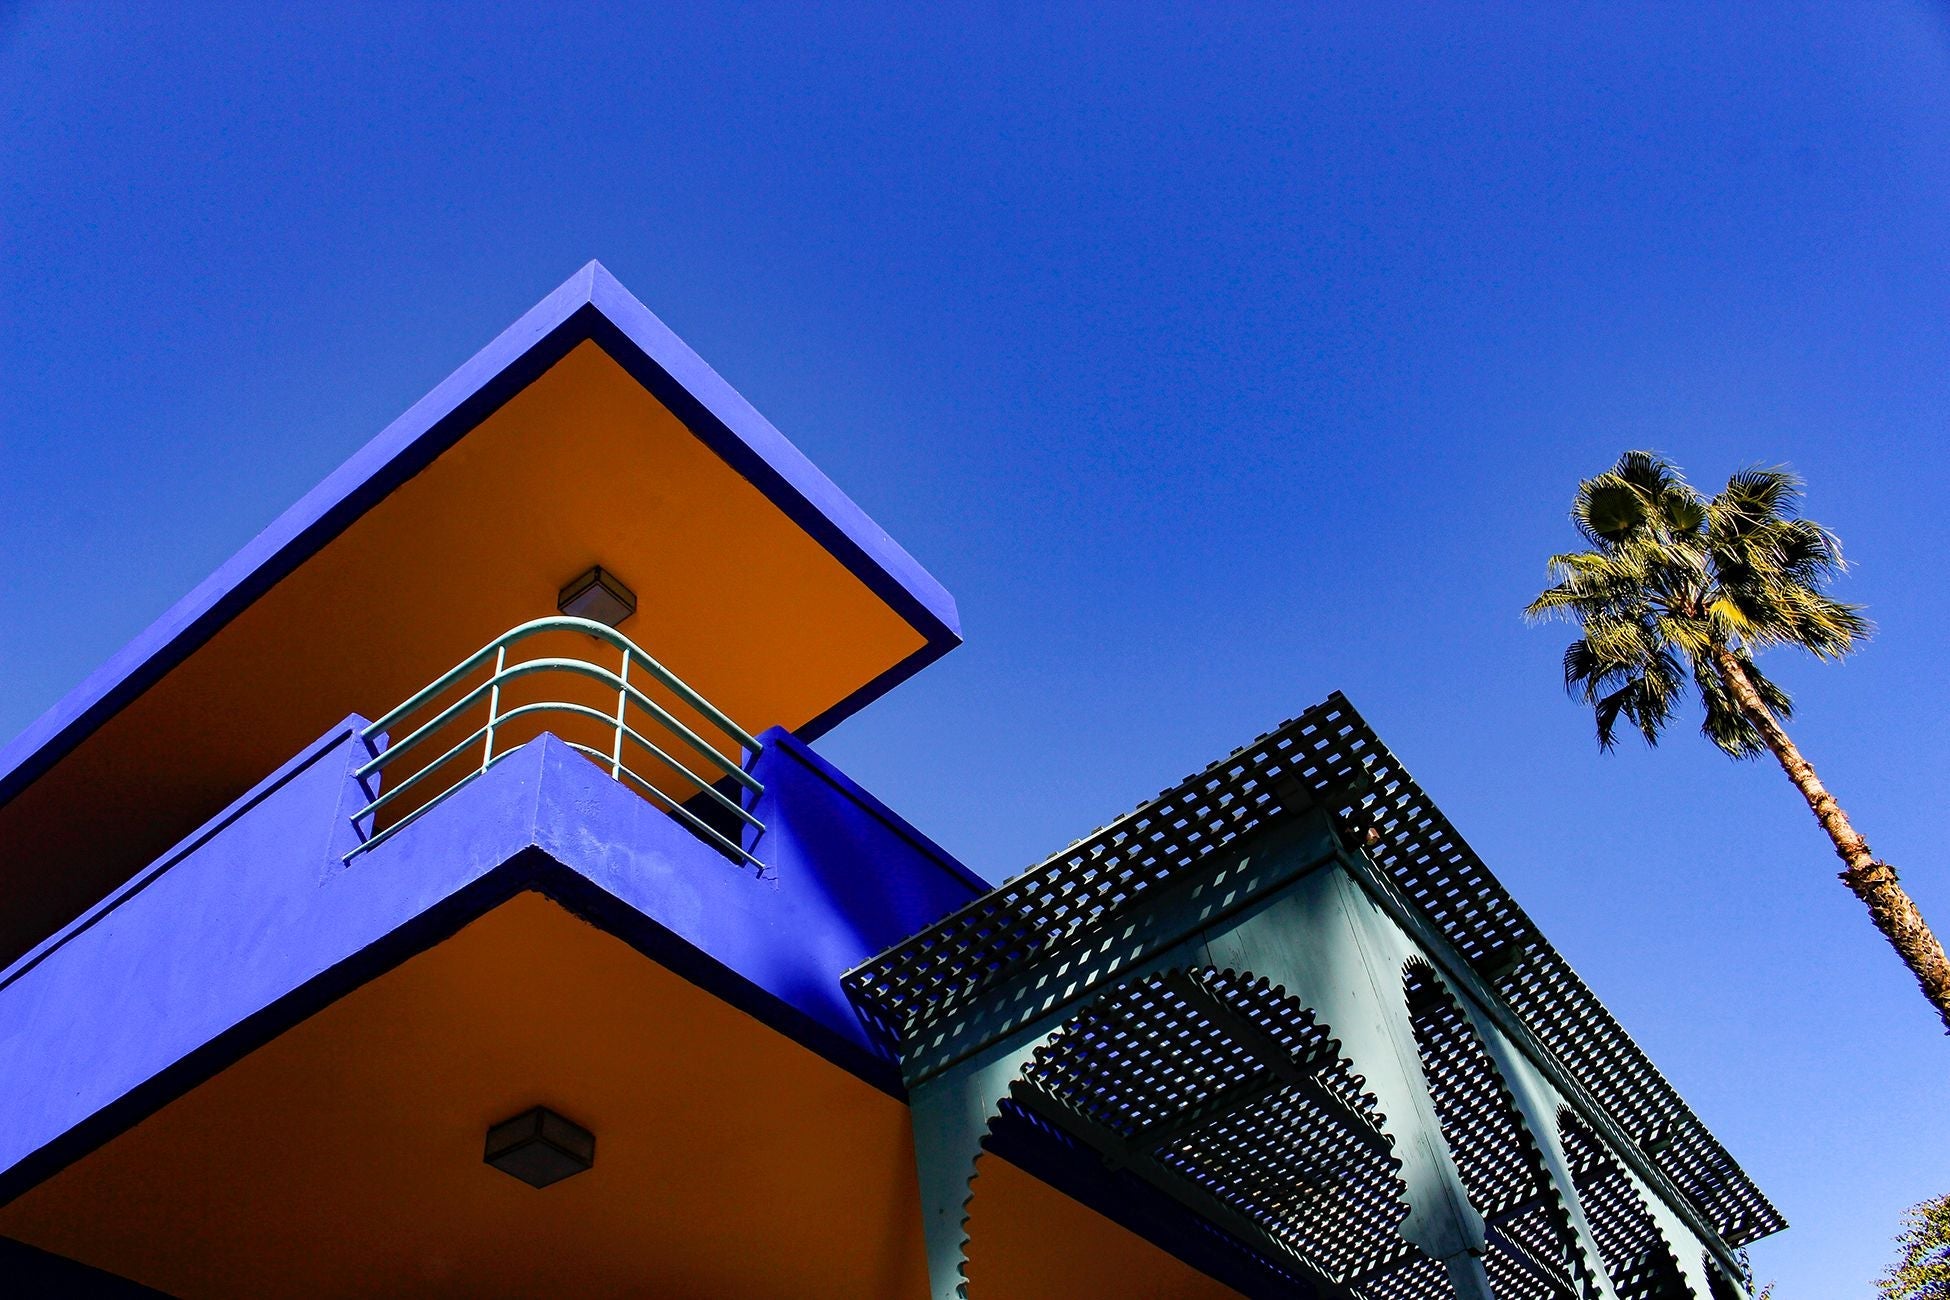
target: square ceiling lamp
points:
(597, 594)
(540, 1147)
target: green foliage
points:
(1922, 1271)
(1673, 578)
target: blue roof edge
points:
(590, 305)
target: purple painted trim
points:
(591, 304)
(748, 442)
(582, 897)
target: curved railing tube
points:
(444, 720)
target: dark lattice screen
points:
(1233, 1096)
(1328, 757)
(1638, 1261)
(1532, 1253)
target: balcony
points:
(559, 759)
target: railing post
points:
(494, 704)
(622, 710)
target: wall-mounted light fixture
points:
(597, 594)
(540, 1147)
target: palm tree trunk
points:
(1874, 882)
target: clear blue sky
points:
(1214, 359)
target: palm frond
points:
(1607, 511)
(1644, 493)
(1724, 724)
(1790, 614)
(1626, 642)
(1771, 566)
(1624, 671)
(1778, 701)
(1660, 691)
(1683, 511)
(1730, 618)
(1647, 472)
(1759, 493)
(1607, 712)
(1588, 673)
(1590, 584)
(1691, 636)
(1810, 554)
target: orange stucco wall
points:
(344, 1158)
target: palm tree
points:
(1678, 586)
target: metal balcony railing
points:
(493, 702)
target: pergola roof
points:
(1327, 756)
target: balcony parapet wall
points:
(254, 922)
(172, 961)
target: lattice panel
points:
(1535, 1257)
(1140, 1056)
(1500, 1165)
(1329, 756)
(1293, 1167)
(1290, 1143)
(1509, 1280)
(1269, 1011)
(1284, 1274)
(934, 972)
(1420, 1278)
(1636, 1258)
(1718, 1287)
(1436, 870)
